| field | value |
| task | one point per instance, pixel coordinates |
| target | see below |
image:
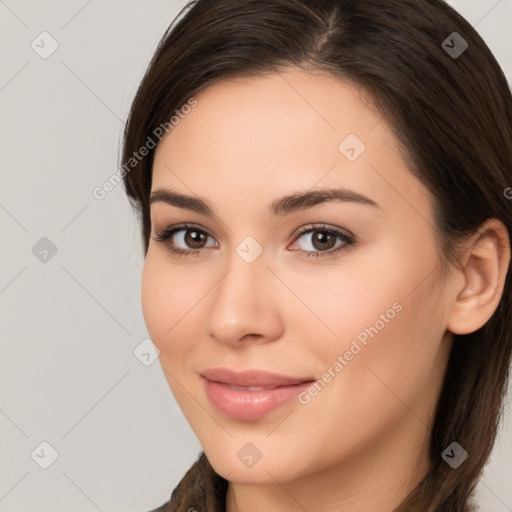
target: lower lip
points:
(250, 405)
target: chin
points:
(243, 463)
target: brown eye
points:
(319, 241)
(186, 239)
(323, 240)
(194, 238)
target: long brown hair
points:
(451, 112)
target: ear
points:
(484, 268)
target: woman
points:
(327, 250)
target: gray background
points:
(69, 376)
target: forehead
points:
(277, 110)
(281, 132)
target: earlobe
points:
(486, 264)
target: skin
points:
(362, 442)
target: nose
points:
(244, 304)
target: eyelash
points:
(164, 235)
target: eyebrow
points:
(279, 207)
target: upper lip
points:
(249, 378)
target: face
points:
(335, 291)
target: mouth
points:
(252, 378)
(252, 394)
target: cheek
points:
(388, 325)
(155, 302)
(368, 288)
(165, 306)
(388, 381)
(170, 298)
(164, 300)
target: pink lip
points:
(245, 404)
